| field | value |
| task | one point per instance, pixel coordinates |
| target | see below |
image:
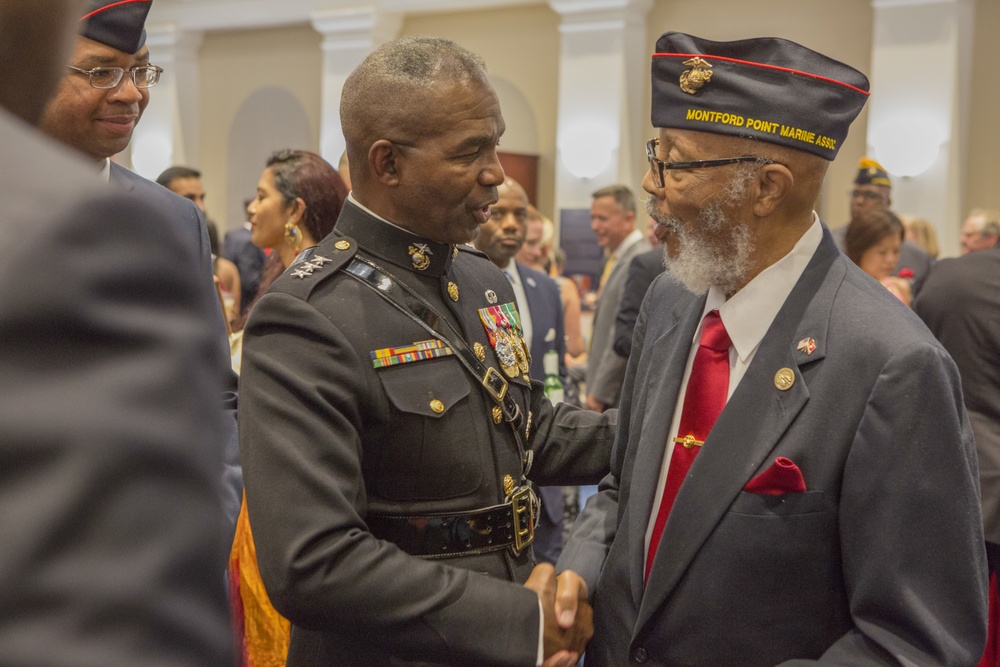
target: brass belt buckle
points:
(524, 518)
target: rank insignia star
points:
(807, 345)
(318, 260)
(304, 272)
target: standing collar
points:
(749, 313)
(392, 243)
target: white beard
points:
(713, 252)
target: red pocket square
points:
(782, 477)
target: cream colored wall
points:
(234, 65)
(841, 30)
(982, 164)
(521, 45)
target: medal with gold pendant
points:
(503, 327)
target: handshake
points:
(568, 622)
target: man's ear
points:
(774, 182)
(383, 159)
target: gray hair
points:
(622, 194)
(991, 221)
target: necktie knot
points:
(713, 333)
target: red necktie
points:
(704, 399)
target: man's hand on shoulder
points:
(568, 622)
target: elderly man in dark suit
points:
(98, 103)
(109, 441)
(777, 493)
(541, 312)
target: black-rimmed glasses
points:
(657, 166)
(105, 78)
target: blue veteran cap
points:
(768, 88)
(118, 23)
(871, 172)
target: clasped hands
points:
(568, 622)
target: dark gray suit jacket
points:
(960, 303)
(109, 430)
(879, 562)
(187, 220)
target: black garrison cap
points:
(116, 23)
(768, 88)
(871, 172)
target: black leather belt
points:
(447, 535)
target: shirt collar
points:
(749, 313)
(105, 173)
(511, 271)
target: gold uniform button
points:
(453, 291)
(479, 351)
(342, 245)
(508, 485)
(437, 406)
(497, 415)
(784, 379)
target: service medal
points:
(503, 326)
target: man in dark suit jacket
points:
(798, 525)
(96, 118)
(109, 444)
(961, 306)
(249, 261)
(540, 306)
(641, 274)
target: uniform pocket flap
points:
(428, 388)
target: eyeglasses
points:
(657, 166)
(866, 194)
(105, 78)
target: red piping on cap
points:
(114, 4)
(753, 64)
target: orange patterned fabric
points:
(261, 632)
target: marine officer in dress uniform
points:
(389, 428)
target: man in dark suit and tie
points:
(98, 103)
(794, 477)
(109, 436)
(540, 308)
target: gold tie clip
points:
(689, 441)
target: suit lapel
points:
(750, 426)
(661, 389)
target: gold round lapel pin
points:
(784, 379)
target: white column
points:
(921, 64)
(348, 36)
(168, 132)
(603, 68)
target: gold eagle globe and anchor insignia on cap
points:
(694, 79)
(420, 255)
